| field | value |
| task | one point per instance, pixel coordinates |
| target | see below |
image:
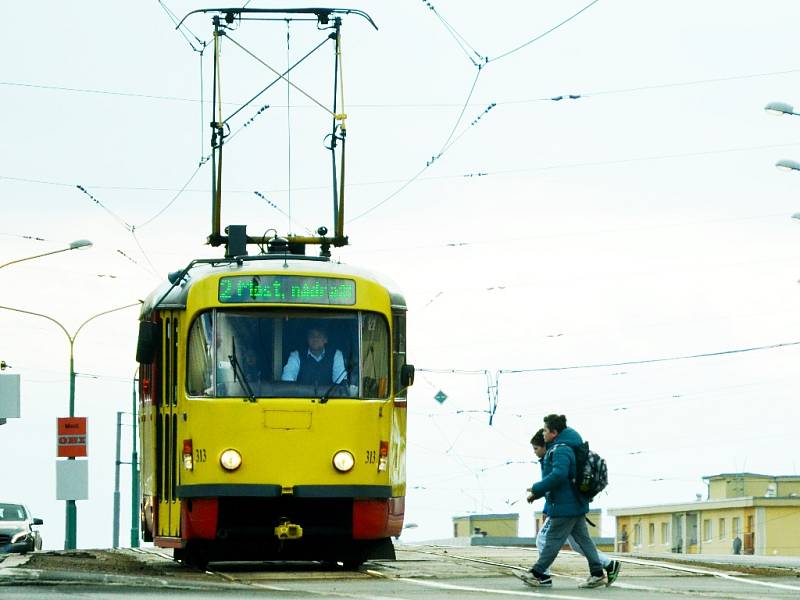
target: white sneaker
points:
(593, 582)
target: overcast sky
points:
(643, 220)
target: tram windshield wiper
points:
(326, 396)
(239, 372)
(342, 380)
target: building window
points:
(722, 529)
(637, 535)
(736, 526)
(707, 533)
(651, 534)
(665, 533)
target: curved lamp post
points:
(73, 246)
(71, 517)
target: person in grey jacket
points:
(566, 507)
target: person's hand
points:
(532, 496)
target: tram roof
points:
(169, 295)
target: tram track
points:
(730, 575)
(747, 587)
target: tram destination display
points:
(287, 289)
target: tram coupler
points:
(288, 531)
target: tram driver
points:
(315, 365)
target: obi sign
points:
(71, 439)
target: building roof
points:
(749, 476)
(738, 502)
(489, 516)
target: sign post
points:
(72, 476)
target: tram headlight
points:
(343, 461)
(230, 459)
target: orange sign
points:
(71, 438)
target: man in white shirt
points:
(315, 366)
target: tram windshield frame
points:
(238, 352)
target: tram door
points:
(168, 524)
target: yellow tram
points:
(273, 411)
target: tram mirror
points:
(147, 343)
(406, 376)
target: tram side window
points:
(399, 351)
(200, 358)
(374, 357)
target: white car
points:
(16, 529)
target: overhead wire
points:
(479, 66)
(288, 125)
(459, 39)
(174, 198)
(541, 35)
(460, 115)
(432, 160)
(651, 360)
(127, 226)
(500, 172)
(494, 379)
(182, 28)
(589, 94)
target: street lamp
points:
(788, 165)
(72, 246)
(780, 108)
(71, 528)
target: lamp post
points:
(73, 246)
(71, 510)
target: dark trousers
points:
(560, 529)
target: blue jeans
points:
(542, 536)
(560, 529)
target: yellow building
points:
(493, 525)
(744, 512)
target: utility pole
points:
(134, 476)
(115, 540)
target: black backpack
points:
(591, 472)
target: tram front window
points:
(261, 354)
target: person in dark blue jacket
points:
(611, 566)
(565, 506)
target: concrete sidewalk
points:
(743, 560)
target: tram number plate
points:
(287, 289)
(372, 457)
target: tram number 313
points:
(372, 457)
